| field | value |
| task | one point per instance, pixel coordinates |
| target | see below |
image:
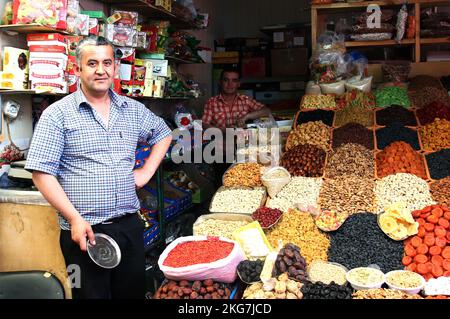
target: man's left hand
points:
(241, 121)
(141, 177)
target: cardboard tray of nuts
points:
(220, 217)
(238, 200)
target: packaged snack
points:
(93, 26)
(82, 24)
(16, 62)
(401, 22)
(7, 17)
(120, 36)
(127, 18)
(73, 8)
(46, 12)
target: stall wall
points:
(245, 18)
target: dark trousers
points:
(126, 280)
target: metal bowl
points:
(106, 252)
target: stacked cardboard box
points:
(48, 62)
(15, 69)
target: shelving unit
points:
(29, 28)
(145, 8)
(6, 91)
(320, 12)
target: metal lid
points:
(106, 252)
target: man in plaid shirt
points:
(230, 109)
(82, 158)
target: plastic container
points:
(374, 278)
(411, 291)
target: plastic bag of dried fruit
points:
(192, 258)
(275, 179)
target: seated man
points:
(230, 109)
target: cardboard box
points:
(47, 60)
(48, 86)
(47, 39)
(16, 61)
(10, 81)
(253, 67)
(287, 62)
(48, 49)
(39, 75)
(166, 4)
(160, 67)
(291, 38)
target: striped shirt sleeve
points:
(47, 145)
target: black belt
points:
(118, 218)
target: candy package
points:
(47, 12)
(127, 18)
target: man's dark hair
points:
(88, 41)
(230, 69)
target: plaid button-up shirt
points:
(92, 161)
(221, 115)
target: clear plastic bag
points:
(275, 184)
(357, 83)
(333, 88)
(328, 63)
(222, 270)
(401, 22)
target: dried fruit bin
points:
(371, 127)
(427, 174)
(300, 112)
(223, 188)
(425, 153)
(373, 149)
(416, 129)
(413, 111)
(302, 103)
(325, 175)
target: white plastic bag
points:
(222, 270)
(364, 85)
(336, 87)
(275, 184)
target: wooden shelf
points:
(182, 61)
(435, 40)
(29, 28)
(349, 44)
(380, 3)
(6, 91)
(320, 14)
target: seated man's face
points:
(230, 83)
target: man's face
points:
(97, 69)
(230, 82)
